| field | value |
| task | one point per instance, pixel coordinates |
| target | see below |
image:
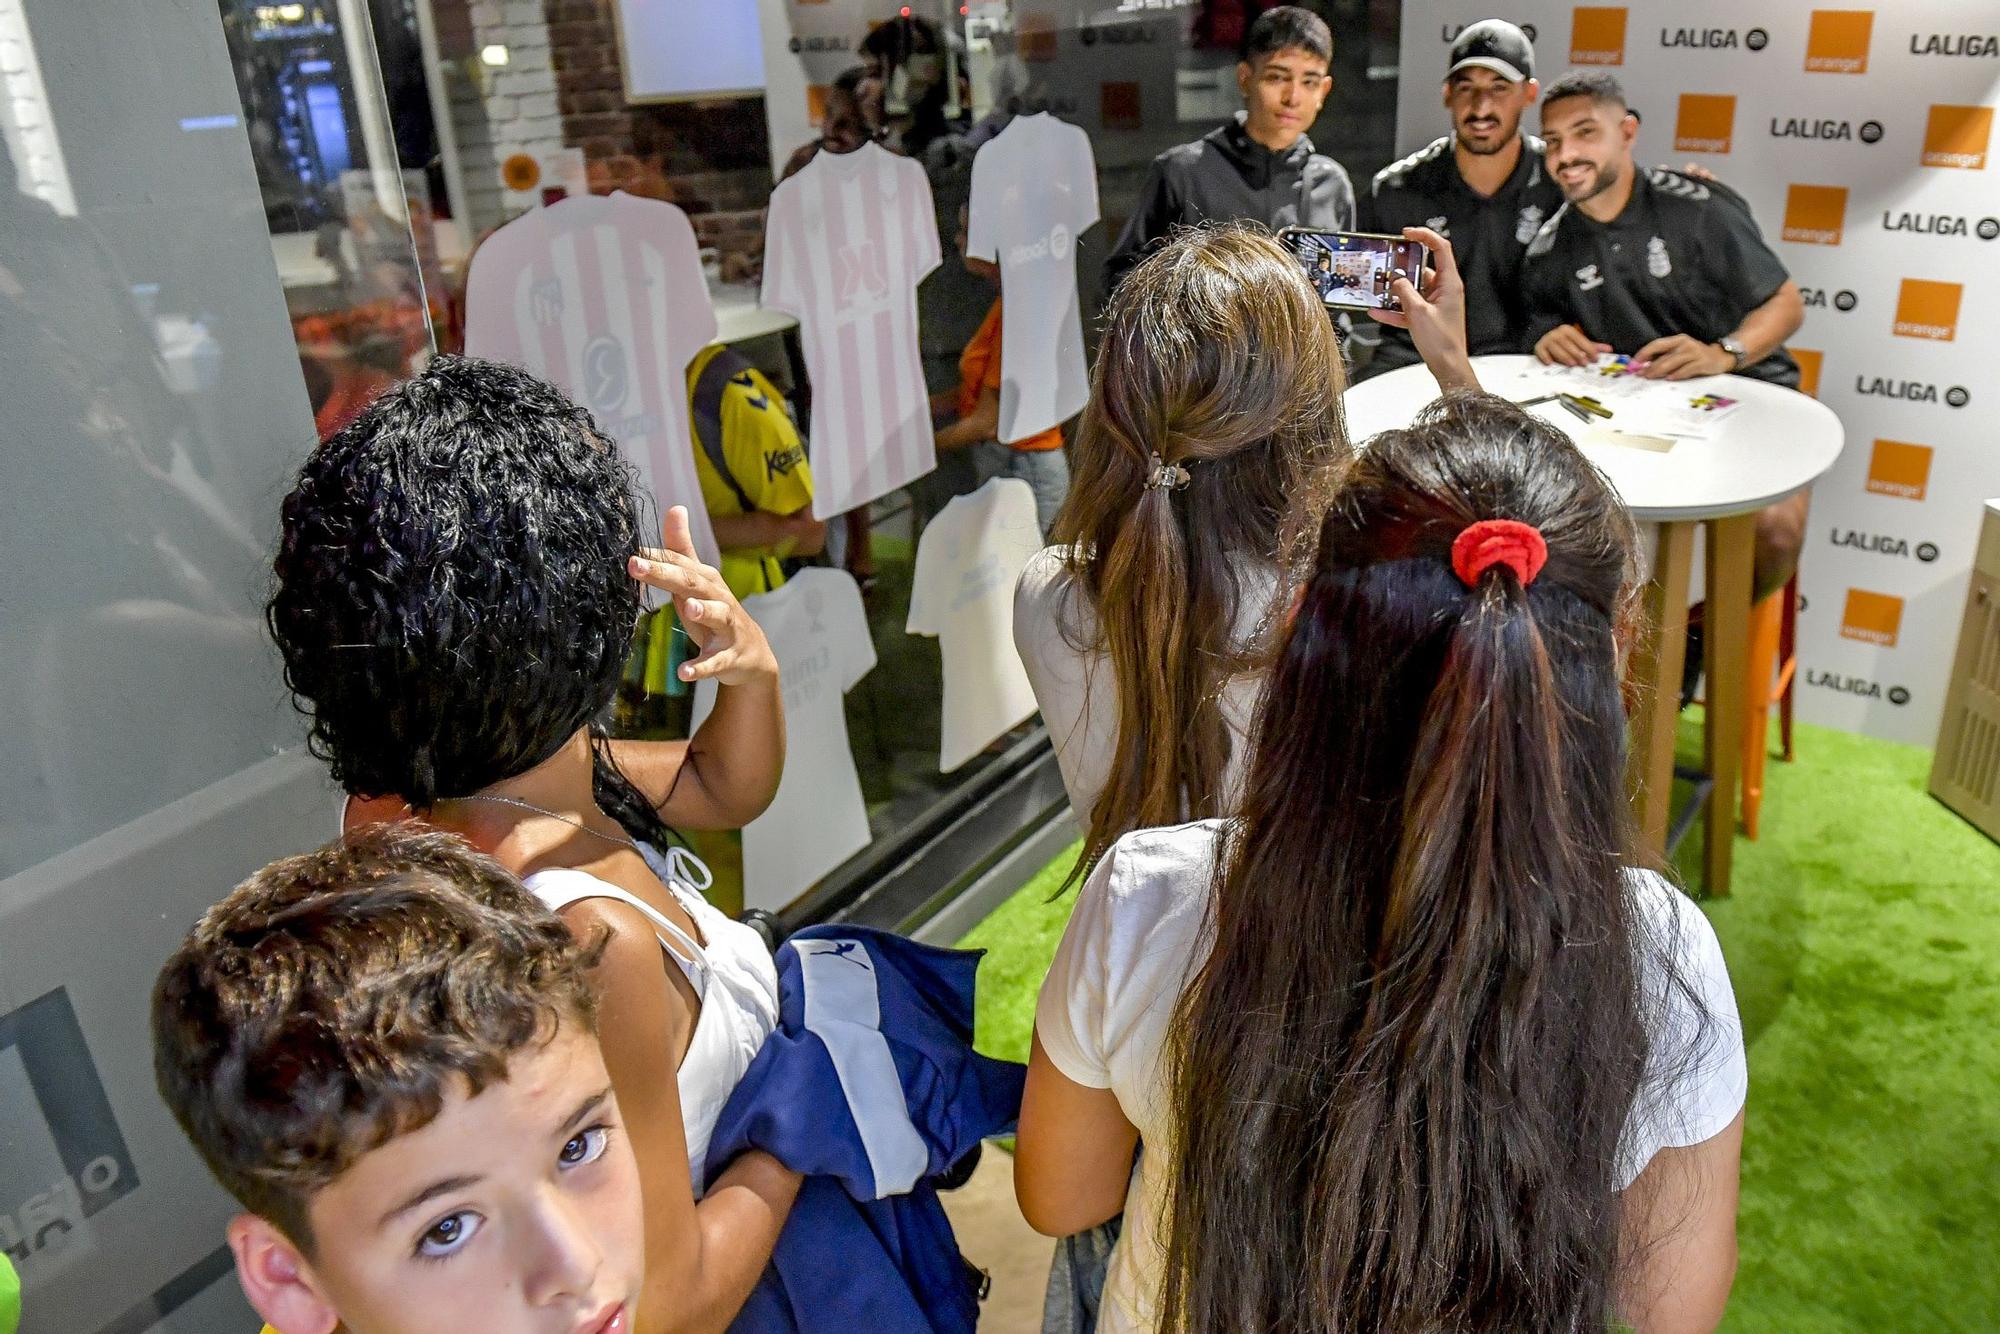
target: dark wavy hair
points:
(1400, 1080)
(451, 597)
(333, 1000)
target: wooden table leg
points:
(1656, 672)
(1732, 545)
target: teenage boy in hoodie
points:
(1260, 167)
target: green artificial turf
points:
(1019, 939)
(1864, 942)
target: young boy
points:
(1260, 167)
(386, 1051)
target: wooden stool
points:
(1774, 626)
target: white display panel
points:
(681, 50)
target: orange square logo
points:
(1119, 105)
(1705, 123)
(1927, 310)
(1035, 38)
(1837, 41)
(1810, 363)
(1814, 214)
(1900, 470)
(1872, 618)
(1596, 36)
(1957, 137)
(816, 102)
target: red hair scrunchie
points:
(1519, 546)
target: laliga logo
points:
(1910, 391)
(1713, 39)
(1816, 297)
(1856, 685)
(1882, 544)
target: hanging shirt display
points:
(604, 298)
(847, 241)
(819, 634)
(1034, 191)
(968, 561)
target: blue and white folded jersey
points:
(870, 1087)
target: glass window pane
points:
(191, 200)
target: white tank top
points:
(731, 973)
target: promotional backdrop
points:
(1864, 142)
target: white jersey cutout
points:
(1034, 191)
(968, 561)
(845, 244)
(818, 630)
(604, 298)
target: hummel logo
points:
(1588, 278)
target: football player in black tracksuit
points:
(1260, 167)
(1661, 268)
(1483, 185)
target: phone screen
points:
(1352, 270)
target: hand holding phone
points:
(1434, 315)
(1354, 270)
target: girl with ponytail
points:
(1214, 414)
(1408, 1043)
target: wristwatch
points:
(1738, 353)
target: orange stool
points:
(1774, 633)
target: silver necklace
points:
(553, 815)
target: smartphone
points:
(1353, 270)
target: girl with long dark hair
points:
(1408, 1043)
(1202, 462)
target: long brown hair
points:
(1218, 358)
(1400, 1079)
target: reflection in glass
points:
(156, 410)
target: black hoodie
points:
(1226, 176)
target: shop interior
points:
(226, 228)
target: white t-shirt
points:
(1034, 191)
(846, 241)
(1139, 933)
(968, 561)
(604, 298)
(729, 966)
(1078, 691)
(818, 630)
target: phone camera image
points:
(1352, 270)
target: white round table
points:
(1776, 443)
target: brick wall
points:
(497, 111)
(710, 158)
